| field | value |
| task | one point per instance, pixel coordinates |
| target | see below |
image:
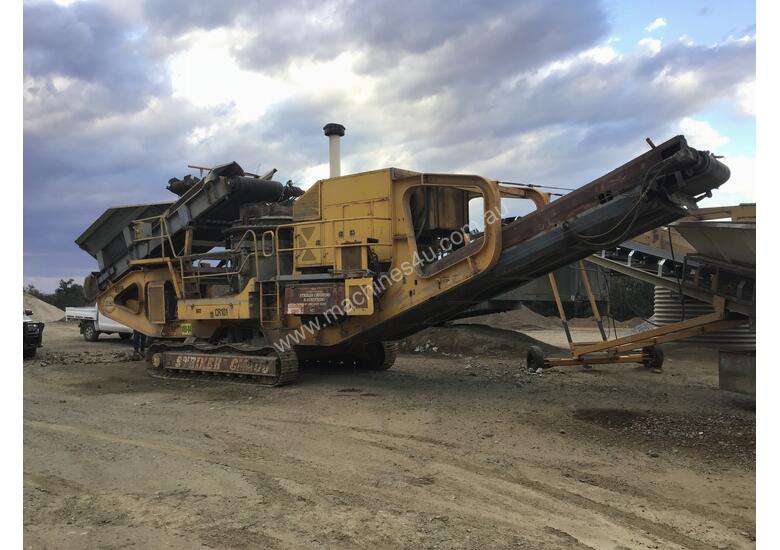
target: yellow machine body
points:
(342, 270)
(339, 226)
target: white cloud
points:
(328, 77)
(600, 54)
(650, 45)
(741, 186)
(202, 133)
(656, 24)
(207, 75)
(680, 81)
(311, 174)
(746, 98)
(701, 135)
(687, 40)
(744, 39)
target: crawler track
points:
(285, 369)
(375, 356)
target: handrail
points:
(273, 243)
(269, 236)
(199, 275)
(332, 220)
(343, 245)
(164, 235)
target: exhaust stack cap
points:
(334, 132)
(333, 129)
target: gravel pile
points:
(472, 339)
(41, 310)
(86, 357)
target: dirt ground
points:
(442, 451)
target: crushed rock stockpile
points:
(517, 319)
(477, 339)
(41, 310)
(525, 319)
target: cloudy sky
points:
(120, 96)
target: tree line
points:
(67, 294)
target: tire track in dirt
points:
(504, 498)
(333, 425)
(733, 521)
(648, 496)
(107, 437)
(556, 501)
(560, 495)
(424, 498)
(572, 501)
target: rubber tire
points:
(125, 336)
(90, 334)
(29, 353)
(656, 359)
(534, 358)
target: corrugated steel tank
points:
(668, 310)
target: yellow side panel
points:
(405, 284)
(354, 209)
(359, 296)
(140, 318)
(243, 305)
(355, 188)
(156, 300)
(214, 308)
(308, 238)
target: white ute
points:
(92, 323)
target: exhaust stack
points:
(334, 132)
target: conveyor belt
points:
(622, 204)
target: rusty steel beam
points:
(619, 181)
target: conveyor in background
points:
(703, 269)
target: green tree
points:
(67, 294)
(33, 291)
